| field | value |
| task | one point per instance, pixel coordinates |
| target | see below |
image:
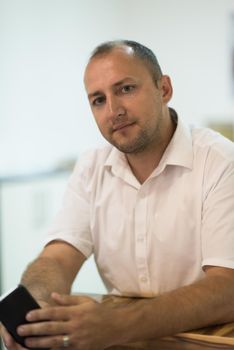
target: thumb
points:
(69, 300)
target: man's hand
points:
(87, 324)
(8, 341)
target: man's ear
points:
(166, 88)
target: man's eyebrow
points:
(122, 81)
(94, 94)
(118, 83)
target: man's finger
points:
(68, 300)
(8, 340)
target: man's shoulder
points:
(213, 143)
(94, 158)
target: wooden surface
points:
(210, 338)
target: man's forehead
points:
(120, 58)
(121, 49)
(121, 52)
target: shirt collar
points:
(117, 162)
(180, 149)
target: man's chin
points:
(129, 149)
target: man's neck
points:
(142, 166)
(144, 163)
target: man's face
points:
(126, 103)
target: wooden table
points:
(210, 338)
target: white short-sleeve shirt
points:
(153, 237)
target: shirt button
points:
(140, 238)
(144, 279)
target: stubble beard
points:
(146, 139)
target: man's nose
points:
(114, 107)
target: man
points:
(156, 210)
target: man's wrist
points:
(128, 324)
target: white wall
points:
(26, 210)
(44, 115)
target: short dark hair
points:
(140, 51)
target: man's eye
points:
(98, 101)
(127, 88)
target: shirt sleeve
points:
(217, 231)
(72, 222)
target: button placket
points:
(140, 242)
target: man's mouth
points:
(122, 126)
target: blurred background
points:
(45, 120)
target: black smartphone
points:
(14, 306)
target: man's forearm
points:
(207, 302)
(53, 271)
(43, 276)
